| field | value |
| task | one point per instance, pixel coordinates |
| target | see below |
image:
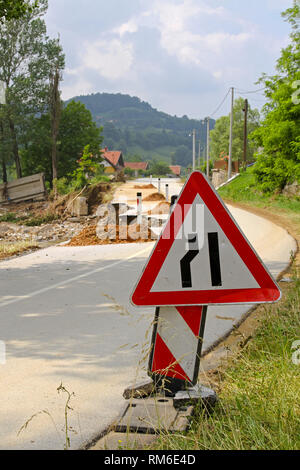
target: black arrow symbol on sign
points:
(185, 263)
(214, 257)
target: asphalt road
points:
(65, 317)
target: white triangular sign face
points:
(202, 257)
(233, 270)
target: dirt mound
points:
(155, 197)
(94, 195)
(145, 186)
(59, 206)
(88, 236)
(161, 208)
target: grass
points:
(10, 249)
(40, 220)
(259, 402)
(258, 387)
(9, 217)
(244, 189)
(30, 221)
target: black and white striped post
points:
(139, 208)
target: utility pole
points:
(2, 102)
(245, 132)
(208, 150)
(55, 113)
(231, 134)
(194, 150)
(199, 154)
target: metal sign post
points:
(176, 348)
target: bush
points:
(88, 165)
(129, 172)
(61, 186)
(9, 217)
(274, 173)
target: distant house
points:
(222, 164)
(113, 161)
(176, 170)
(137, 166)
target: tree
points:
(279, 161)
(14, 9)
(27, 57)
(220, 134)
(134, 158)
(55, 113)
(158, 168)
(182, 156)
(76, 131)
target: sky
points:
(181, 56)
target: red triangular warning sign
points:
(202, 257)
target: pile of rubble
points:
(155, 197)
(111, 234)
(50, 232)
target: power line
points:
(256, 100)
(241, 93)
(250, 92)
(223, 101)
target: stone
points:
(80, 207)
(148, 416)
(140, 390)
(183, 418)
(199, 394)
(292, 189)
(124, 441)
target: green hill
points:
(136, 128)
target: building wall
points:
(109, 170)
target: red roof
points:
(137, 165)
(112, 157)
(176, 170)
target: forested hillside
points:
(136, 128)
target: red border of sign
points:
(268, 290)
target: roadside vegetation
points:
(259, 395)
(245, 189)
(11, 249)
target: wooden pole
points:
(246, 108)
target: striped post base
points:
(176, 347)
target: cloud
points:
(111, 58)
(177, 37)
(169, 52)
(130, 26)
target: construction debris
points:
(111, 234)
(155, 197)
(23, 189)
(161, 208)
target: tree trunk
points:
(15, 148)
(55, 117)
(4, 171)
